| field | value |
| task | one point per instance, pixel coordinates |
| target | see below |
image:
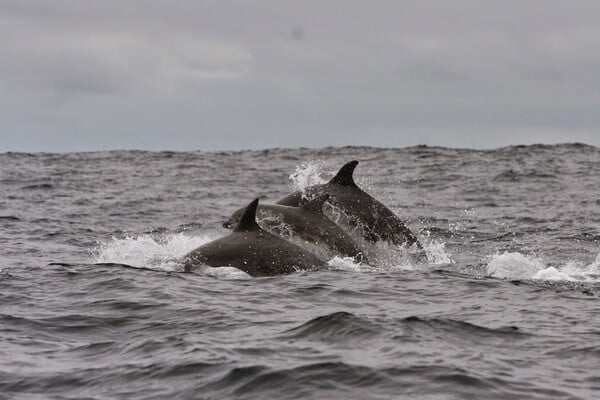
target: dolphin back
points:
(293, 199)
(252, 250)
(377, 221)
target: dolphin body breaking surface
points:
(308, 222)
(253, 250)
(377, 222)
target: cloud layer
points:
(230, 75)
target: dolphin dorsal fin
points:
(344, 175)
(316, 204)
(248, 221)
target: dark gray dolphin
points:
(307, 222)
(253, 250)
(376, 220)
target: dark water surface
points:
(508, 306)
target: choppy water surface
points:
(508, 306)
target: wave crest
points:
(334, 327)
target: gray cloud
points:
(221, 75)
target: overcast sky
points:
(211, 75)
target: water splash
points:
(273, 223)
(164, 254)
(517, 266)
(161, 254)
(436, 251)
(146, 251)
(513, 266)
(225, 273)
(308, 174)
(349, 264)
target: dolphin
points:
(307, 222)
(376, 220)
(253, 250)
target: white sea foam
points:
(513, 266)
(226, 273)
(164, 254)
(519, 266)
(161, 254)
(348, 264)
(385, 256)
(146, 251)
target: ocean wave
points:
(463, 330)
(337, 326)
(38, 186)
